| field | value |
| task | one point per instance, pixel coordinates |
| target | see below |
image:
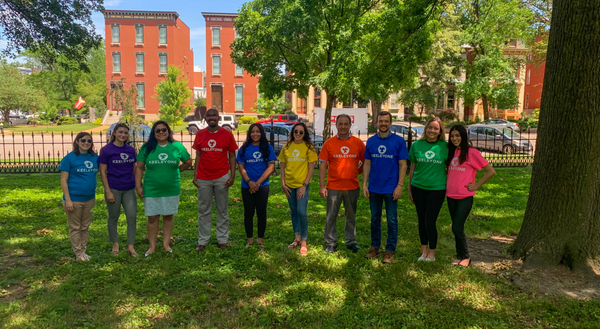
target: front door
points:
(217, 97)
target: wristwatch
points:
(305, 184)
(248, 181)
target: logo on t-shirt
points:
(257, 155)
(381, 149)
(345, 149)
(454, 165)
(211, 146)
(429, 158)
(429, 154)
(296, 153)
(212, 143)
(455, 162)
(88, 164)
(163, 156)
(89, 167)
(124, 156)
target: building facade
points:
(140, 45)
(229, 88)
(534, 81)
(199, 83)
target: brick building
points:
(139, 47)
(229, 88)
(534, 81)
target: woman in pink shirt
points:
(461, 186)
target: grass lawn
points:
(42, 128)
(41, 286)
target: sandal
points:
(294, 244)
(462, 262)
(303, 250)
(261, 245)
(456, 262)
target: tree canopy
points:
(174, 96)
(15, 94)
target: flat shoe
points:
(429, 259)
(303, 250)
(422, 259)
(294, 244)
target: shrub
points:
(98, 122)
(447, 115)
(66, 121)
(179, 123)
(247, 120)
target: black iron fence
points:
(42, 152)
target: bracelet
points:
(305, 184)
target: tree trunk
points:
(327, 123)
(486, 107)
(562, 218)
(375, 109)
(6, 115)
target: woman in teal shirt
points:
(427, 189)
(160, 157)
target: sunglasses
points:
(83, 140)
(299, 132)
(160, 130)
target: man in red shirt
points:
(342, 157)
(215, 172)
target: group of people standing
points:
(439, 170)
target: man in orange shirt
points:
(342, 157)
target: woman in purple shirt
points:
(117, 163)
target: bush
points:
(98, 122)
(247, 120)
(179, 123)
(66, 121)
(447, 115)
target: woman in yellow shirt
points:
(298, 159)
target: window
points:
(216, 36)
(140, 95)
(258, 91)
(239, 98)
(162, 34)
(216, 65)
(528, 77)
(116, 33)
(139, 33)
(450, 101)
(116, 61)
(526, 101)
(162, 63)
(238, 70)
(139, 61)
(440, 99)
(317, 98)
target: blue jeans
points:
(391, 209)
(298, 209)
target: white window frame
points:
(139, 27)
(239, 71)
(213, 64)
(137, 63)
(140, 95)
(212, 37)
(241, 87)
(160, 56)
(162, 28)
(116, 63)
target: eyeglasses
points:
(160, 130)
(83, 140)
(299, 132)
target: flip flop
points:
(456, 262)
(303, 250)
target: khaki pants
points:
(207, 190)
(79, 223)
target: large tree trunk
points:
(375, 109)
(562, 218)
(6, 116)
(327, 123)
(486, 107)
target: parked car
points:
(281, 131)
(401, 129)
(498, 138)
(225, 121)
(502, 122)
(291, 118)
(138, 135)
(15, 120)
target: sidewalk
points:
(97, 129)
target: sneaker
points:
(354, 247)
(330, 249)
(200, 248)
(373, 252)
(389, 257)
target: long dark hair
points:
(464, 144)
(76, 146)
(264, 143)
(305, 137)
(152, 142)
(113, 135)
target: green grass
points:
(241, 287)
(42, 128)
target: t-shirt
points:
(429, 160)
(384, 154)
(82, 171)
(214, 157)
(254, 163)
(296, 158)
(459, 175)
(119, 163)
(343, 156)
(162, 169)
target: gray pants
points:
(207, 189)
(129, 201)
(334, 201)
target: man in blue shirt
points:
(386, 153)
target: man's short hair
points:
(343, 115)
(385, 113)
(212, 109)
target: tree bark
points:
(327, 121)
(6, 115)
(562, 218)
(375, 109)
(486, 107)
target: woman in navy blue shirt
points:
(256, 161)
(78, 181)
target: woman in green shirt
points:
(163, 159)
(427, 189)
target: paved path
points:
(97, 129)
